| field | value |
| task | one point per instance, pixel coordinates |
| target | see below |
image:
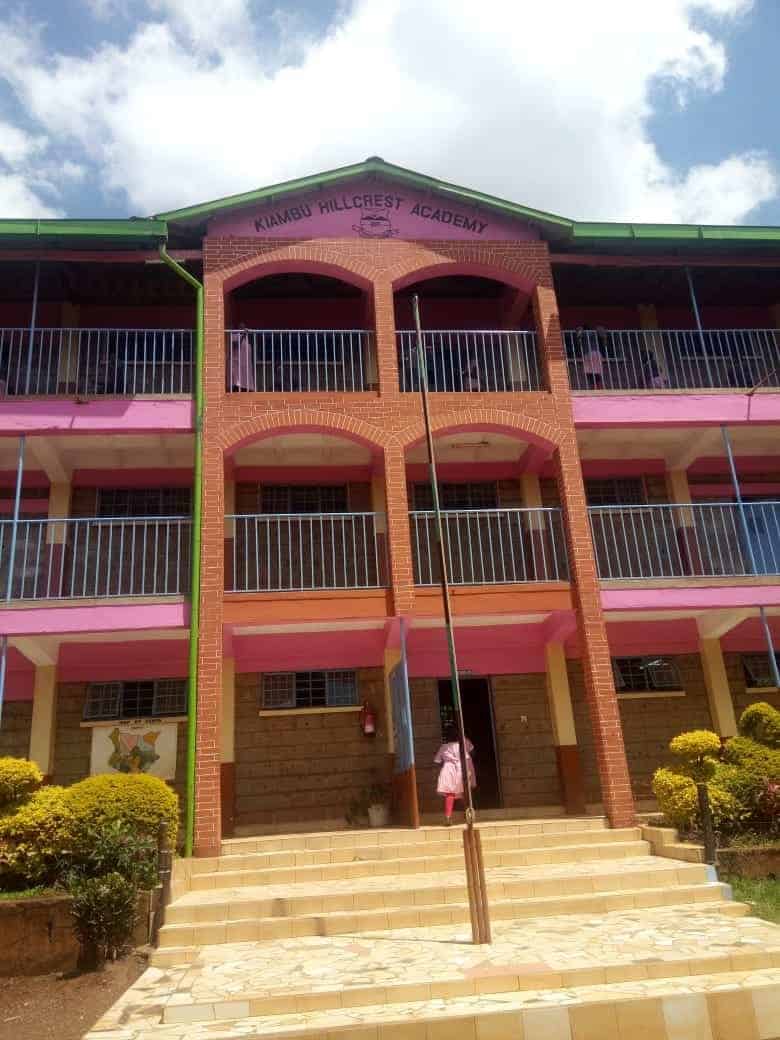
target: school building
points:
(225, 400)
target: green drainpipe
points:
(197, 523)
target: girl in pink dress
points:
(450, 783)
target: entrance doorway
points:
(478, 720)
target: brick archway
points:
(260, 260)
(269, 424)
(524, 427)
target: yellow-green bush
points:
(136, 800)
(761, 722)
(18, 779)
(36, 839)
(697, 752)
(678, 800)
(748, 768)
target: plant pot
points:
(378, 815)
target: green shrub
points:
(761, 722)
(36, 839)
(116, 848)
(104, 914)
(139, 802)
(747, 770)
(678, 801)
(18, 779)
(697, 753)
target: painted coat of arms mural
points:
(147, 746)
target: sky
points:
(607, 110)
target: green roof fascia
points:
(674, 234)
(84, 230)
(369, 166)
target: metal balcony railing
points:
(678, 541)
(273, 552)
(673, 359)
(490, 546)
(95, 558)
(470, 361)
(299, 360)
(95, 362)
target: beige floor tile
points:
(766, 1004)
(594, 1022)
(641, 1020)
(546, 1024)
(507, 1026)
(732, 1016)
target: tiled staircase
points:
(365, 934)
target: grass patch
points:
(763, 895)
(29, 893)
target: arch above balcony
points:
(302, 421)
(541, 437)
(301, 258)
(514, 273)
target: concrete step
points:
(433, 889)
(224, 876)
(395, 835)
(254, 929)
(728, 1005)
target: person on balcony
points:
(590, 349)
(450, 782)
(242, 364)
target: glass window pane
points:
(278, 690)
(103, 701)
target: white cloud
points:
(545, 104)
(20, 177)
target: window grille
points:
(336, 689)
(301, 498)
(757, 671)
(152, 698)
(616, 491)
(458, 496)
(118, 502)
(645, 674)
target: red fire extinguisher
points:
(367, 720)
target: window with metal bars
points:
(758, 673)
(645, 674)
(120, 502)
(302, 498)
(281, 690)
(149, 698)
(482, 495)
(616, 491)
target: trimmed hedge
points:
(36, 840)
(761, 722)
(136, 800)
(18, 779)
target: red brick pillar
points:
(398, 532)
(208, 816)
(387, 352)
(596, 660)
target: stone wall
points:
(740, 695)
(649, 723)
(15, 730)
(304, 766)
(526, 753)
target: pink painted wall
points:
(695, 409)
(103, 662)
(20, 677)
(300, 313)
(302, 651)
(105, 416)
(105, 617)
(749, 636)
(132, 478)
(691, 598)
(496, 650)
(398, 211)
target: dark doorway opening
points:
(480, 729)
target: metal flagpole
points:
(472, 844)
(746, 535)
(697, 317)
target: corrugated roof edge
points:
(131, 228)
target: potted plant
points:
(372, 805)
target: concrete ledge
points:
(664, 841)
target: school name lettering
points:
(369, 203)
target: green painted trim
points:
(197, 529)
(370, 166)
(142, 228)
(675, 233)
